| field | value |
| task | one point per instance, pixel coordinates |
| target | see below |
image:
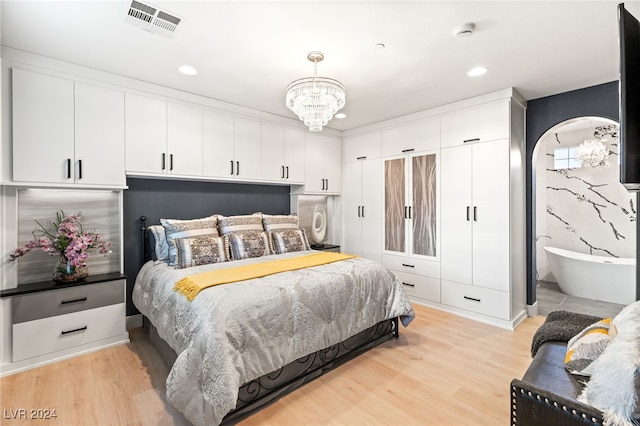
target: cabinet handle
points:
(68, 168)
(408, 284)
(473, 299)
(238, 168)
(408, 266)
(475, 213)
(232, 167)
(405, 212)
(362, 211)
(282, 170)
(408, 150)
(327, 184)
(471, 140)
(468, 208)
(364, 157)
(287, 172)
(79, 169)
(164, 161)
(66, 302)
(359, 211)
(409, 212)
(323, 184)
(170, 161)
(75, 330)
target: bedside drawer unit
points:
(46, 304)
(412, 265)
(476, 299)
(46, 335)
(420, 286)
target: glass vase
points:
(64, 272)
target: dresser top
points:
(23, 289)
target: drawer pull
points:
(471, 140)
(408, 266)
(75, 330)
(409, 284)
(66, 302)
(472, 299)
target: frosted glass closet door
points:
(394, 205)
(423, 211)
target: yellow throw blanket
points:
(192, 285)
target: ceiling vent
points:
(152, 19)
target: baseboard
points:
(134, 321)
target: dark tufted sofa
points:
(547, 394)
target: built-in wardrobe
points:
(438, 197)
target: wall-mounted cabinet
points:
(417, 136)
(481, 123)
(282, 154)
(323, 164)
(66, 132)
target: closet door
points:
(457, 214)
(423, 208)
(491, 258)
(395, 205)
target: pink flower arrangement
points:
(65, 238)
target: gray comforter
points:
(234, 333)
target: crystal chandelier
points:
(592, 152)
(315, 99)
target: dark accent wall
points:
(160, 198)
(544, 113)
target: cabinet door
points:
(423, 214)
(247, 149)
(184, 140)
(457, 214)
(421, 135)
(395, 205)
(357, 147)
(480, 124)
(145, 134)
(333, 165)
(314, 163)
(43, 140)
(273, 163)
(99, 135)
(352, 202)
(217, 145)
(294, 154)
(371, 209)
(491, 220)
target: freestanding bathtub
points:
(610, 279)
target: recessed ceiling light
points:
(477, 71)
(187, 70)
(340, 115)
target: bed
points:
(237, 346)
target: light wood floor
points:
(443, 370)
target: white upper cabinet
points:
(66, 132)
(323, 164)
(217, 148)
(482, 123)
(282, 153)
(362, 147)
(145, 134)
(421, 135)
(247, 148)
(184, 139)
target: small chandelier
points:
(315, 99)
(592, 152)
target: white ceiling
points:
(248, 52)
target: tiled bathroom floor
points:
(550, 299)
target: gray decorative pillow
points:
(160, 246)
(274, 222)
(175, 228)
(289, 240)
(244, 223)
(200, 250)
(245, 245)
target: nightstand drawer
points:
(52, 334)
(46, 304)
(476, 299)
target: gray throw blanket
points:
(561, 326)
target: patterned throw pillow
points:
(160, 248)
(586, 346)
(175, 228)
(274, 222)
(200, 250)
(289, 240)
(244, 223)
(245, 245)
